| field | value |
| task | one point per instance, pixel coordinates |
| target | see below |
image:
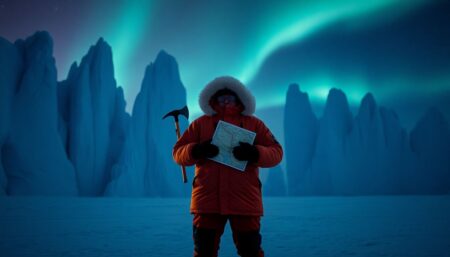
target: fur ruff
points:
(247, 99)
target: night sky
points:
(398, 50)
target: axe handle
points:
(177, 126)
(183, 169)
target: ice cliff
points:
(367, 154)
(146, 167)
(32, 152)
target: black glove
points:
(204, 150)
(246, 152)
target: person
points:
(219, 192)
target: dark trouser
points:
(208, 228)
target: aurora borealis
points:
(266, 44)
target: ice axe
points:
(185, 112)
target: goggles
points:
(225, 99)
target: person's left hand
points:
(246, 152)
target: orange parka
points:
(218, 188)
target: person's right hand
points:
(205, 150)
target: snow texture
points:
(406, 226)
(32, 153)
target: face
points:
(227, 104)
(224, 100)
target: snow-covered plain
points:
(304, 226)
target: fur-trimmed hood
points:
(247, 99)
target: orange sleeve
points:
(270, 150)
(182, 150)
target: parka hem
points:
(196, 211)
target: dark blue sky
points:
(398, 50)
(404, 62)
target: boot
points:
(205, 242)
(248, 244)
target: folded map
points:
(226, 137)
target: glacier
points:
(91, 107)
(93, 147)
(366, 154)
(33, 155)
(301, 128)
(146, 167)
(74, 137)
(275, 183)
(430, 142)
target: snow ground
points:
(305, 226)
